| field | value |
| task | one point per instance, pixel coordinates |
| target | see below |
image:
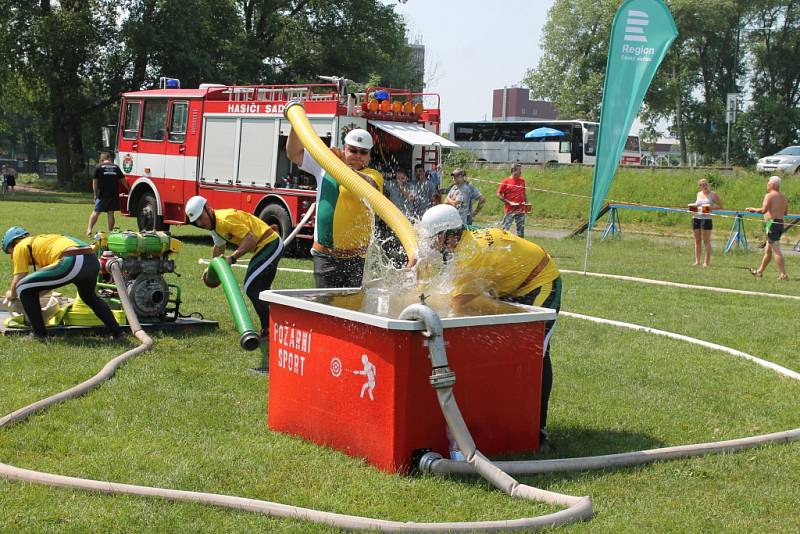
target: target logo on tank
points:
(336, 367)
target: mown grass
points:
(189, 415)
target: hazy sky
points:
(473, 47)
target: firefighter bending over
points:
(503, 265)
(57, 261)
(247, 233)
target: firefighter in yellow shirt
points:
(57, 261)
(247, 233)
(503, 265)
(343, 225)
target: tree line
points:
(64, 63)
(749, 47)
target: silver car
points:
(787, 160)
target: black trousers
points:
(553, 301)
(260, 274)
(79, 270)
(332, 272)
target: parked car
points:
(787, 160)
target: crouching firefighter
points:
(57, 261)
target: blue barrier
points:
(736, 238)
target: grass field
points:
(189, 415)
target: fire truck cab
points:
(228, 143)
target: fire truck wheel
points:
(147, 217)
(277, 215)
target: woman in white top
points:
(707, 201)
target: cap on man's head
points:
(458, 172)
(359, 137)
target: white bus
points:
(504, 141)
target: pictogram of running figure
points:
(368, 371)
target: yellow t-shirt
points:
(232, 226)
(344, 222)
(46, 249)
(495, 261)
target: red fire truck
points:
(228, 143)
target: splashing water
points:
(388, 287)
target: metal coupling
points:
(442, 377)
(291, 103)
(426, 462)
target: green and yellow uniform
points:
(41, 251)
(516, 270)
(344, 222)
(233, 225)
(506, 266)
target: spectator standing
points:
(462, 195)
(515, 200)
(424, 193)
(105, 185)
(9, 178)
(436, 179)
(399, 192)
(707, 201)
(774, 208)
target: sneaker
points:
(34, 337)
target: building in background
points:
(418, 59)
(515, 104)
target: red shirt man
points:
(512, 191)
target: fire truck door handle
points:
(182, 149)
(135, 146)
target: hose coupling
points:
(442, 377)
(290, 103)
(249, 340)
(425, 464)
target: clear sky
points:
(473, 47)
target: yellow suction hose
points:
(343, 174)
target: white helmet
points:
(440, 218)
(194, 208)
(359, 138)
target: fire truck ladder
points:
(281, 93)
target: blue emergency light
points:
(169, 83)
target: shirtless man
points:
(774, 209)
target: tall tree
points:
(76, 56)
(773, 44)
(296, 40)
(575, 46)
(60, 47)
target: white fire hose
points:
(301, 224)
(442, 379)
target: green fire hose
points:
(220, 271)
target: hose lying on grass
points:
(580, 507)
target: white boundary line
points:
(763, 363)
(244, 265)
(685, 286)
